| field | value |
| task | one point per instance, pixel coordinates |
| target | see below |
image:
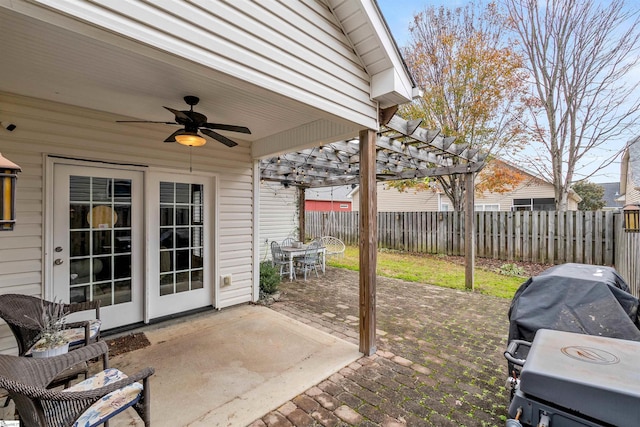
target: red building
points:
(336, 199)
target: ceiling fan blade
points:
(145, 121)
(231, 128)
(179, 114)
(226, 141)
(172, 137)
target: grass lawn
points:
(431, 270)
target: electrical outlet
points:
(226, 280)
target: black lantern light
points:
(8, 176)
(632, 217)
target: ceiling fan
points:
(192, 122)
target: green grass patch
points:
(431, 270)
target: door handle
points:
(58, 261)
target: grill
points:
(573, 336)
(571, 379)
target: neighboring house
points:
(630, 173)
(106, 210)
(328, 199)
(611, 196)
(532, 193)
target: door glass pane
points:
(181, 237)
(100, 239)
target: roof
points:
(611, 193)
(133, 58)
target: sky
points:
(399, 14)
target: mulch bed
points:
(490, 264)
(127, 343)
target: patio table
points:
(293, 252)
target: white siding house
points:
(107, 210)
(630, 173)
(529, 194)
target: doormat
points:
(127, 343)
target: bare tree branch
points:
(580, 56)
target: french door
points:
(97, 240)
(179, 236)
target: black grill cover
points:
(580, 298)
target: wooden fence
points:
(628, 259)
(544, 237)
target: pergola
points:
(400, 150)
(404, 150)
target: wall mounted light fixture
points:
(8, 177)
(631, 217)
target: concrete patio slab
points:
(231, 367)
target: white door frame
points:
(210, 205)
(49, 255)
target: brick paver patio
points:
(439, 360)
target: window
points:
(541, 204)
(444, 207)
(487, 207)
(181, 237)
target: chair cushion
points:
(76, 335)
(111, 404)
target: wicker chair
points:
(333, 245)
(21, 311)
(90, 403)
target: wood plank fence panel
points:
(546, 237)
(579, 253)
(535, 238)
(598, 235)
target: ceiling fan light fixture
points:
(191, 139)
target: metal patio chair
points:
(278, 259)
(89, 403)
(288, 242)
(311, 259)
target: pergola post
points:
(368, 241)
(301, 211)
(469, 230)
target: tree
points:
(580, 56)
(472, 83)
(591, 194)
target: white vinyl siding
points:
(296, 49)
(632, 194)
(46, 128)
(278, 215)
(392, 200)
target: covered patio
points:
(439, 360)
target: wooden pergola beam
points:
(469, 231)
(368, 241)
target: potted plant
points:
(52, 340)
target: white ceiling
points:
(45, 61)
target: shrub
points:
(511, 270)
(269, 277)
